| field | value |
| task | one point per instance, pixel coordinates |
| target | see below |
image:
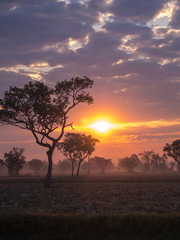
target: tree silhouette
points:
(76, 147)
(173, 150)
(129, 163)
(146, 158)
(43, 110)
(36, 165)
(14, 161)
(100, 163)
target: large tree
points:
(173, 150)
(14, 161)
(76, 147)
(44, 111)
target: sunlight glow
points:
(101, 126)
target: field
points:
(108, 207)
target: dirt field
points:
(93, 195)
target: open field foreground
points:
(136, 207)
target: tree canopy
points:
(14, 161)
(173, 150)
(42, 110)
(76, 147)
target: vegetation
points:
(42, 110)
(36, 165)
(14, 161)
(77, 147)
(173, 150)
(153, 161)
(129, 164)
(100, 164)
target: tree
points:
(14, 161)
(146, 158)
(153, 161)
(101, 163)
(173, 150)
(64, 166)
(2, 162)
(43, 110)
(76, 147)
(36, 165)
(159, 162)
(129, 163)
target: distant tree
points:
(14, 161)
(146, 158)
(76, 147)
(101, 163)
(64, 166)
(129, 163)
(159, 162)
(36, 165)
(173, 150)
(85, 167)
(2, 163)
(43, 110)
(153, 161)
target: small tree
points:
(2, 163)
(14, 161)
(173, 150)
(64, 166)
(101, 163)
(43, 110)
(146, 158)
(129, 163)
(159, 162)
(76, 147)
(36, 165)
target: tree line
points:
(78, 153)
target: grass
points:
(31, 226)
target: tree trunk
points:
(89, 165)
(178, 167)
(72, 170)
(49, 172)
(79, 164)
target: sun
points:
(101, 126)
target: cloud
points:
(136, 10)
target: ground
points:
(145, 198)
(93, 195)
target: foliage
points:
(129, 163)
(159, 162)
(173, 150)
(153, 161)
(76, 147)
(36, 165)
(14, 161)
(42, 110)
(2, 163)
(146, 158)
(100, 163)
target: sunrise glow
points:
(101, 126)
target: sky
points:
(130, 48)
